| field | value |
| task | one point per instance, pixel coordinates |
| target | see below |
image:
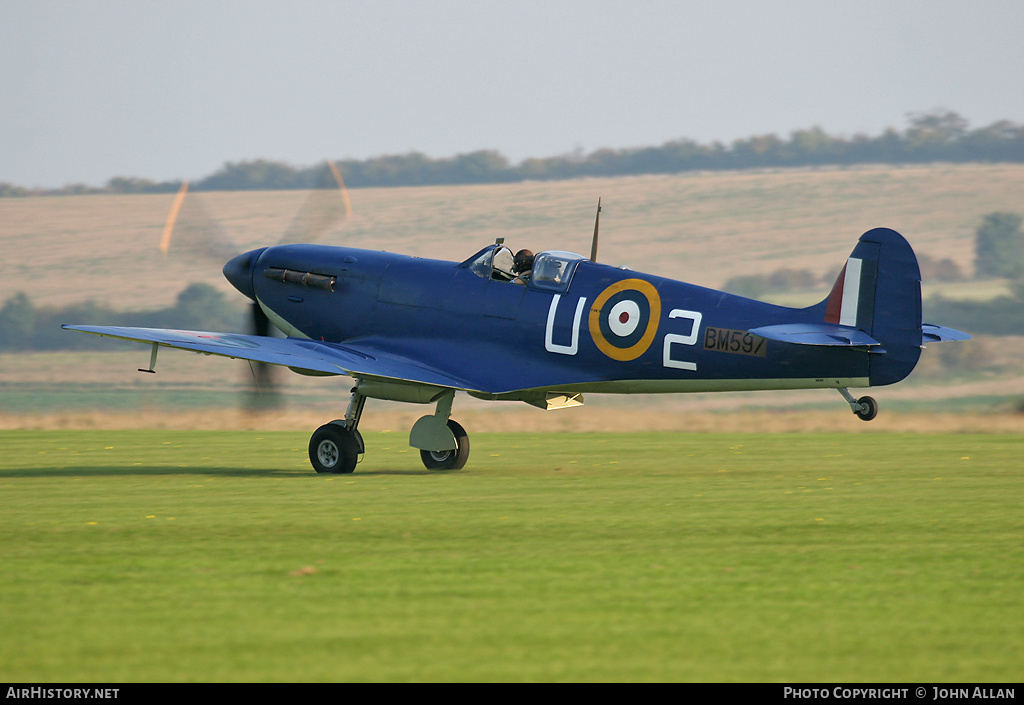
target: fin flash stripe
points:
(845, 297)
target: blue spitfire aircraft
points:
(419, 330)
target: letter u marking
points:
(549, 343)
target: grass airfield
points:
(135, 555)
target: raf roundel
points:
(624, 319)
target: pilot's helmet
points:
(523, 261)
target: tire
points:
(334, 450)
(870, 412)
(449, 459)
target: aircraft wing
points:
(301, 355)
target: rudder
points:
(878, 291)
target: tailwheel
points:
(865, 408)
(334, 449)
(449, 459)
(868, 408)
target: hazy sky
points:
(92, 89)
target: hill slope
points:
(699, 227)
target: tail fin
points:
(875, 305)
(879, 293)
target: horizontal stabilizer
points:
(816, 334)
(931, 333)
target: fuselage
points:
(600, 329)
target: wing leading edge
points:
(301, 355)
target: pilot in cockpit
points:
(522, 267)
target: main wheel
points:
(870, 409)
(334, 449)
(449, 459)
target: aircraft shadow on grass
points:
(156, 471)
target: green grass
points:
(219, 556)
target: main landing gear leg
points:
(866, 408)
(443, 443)
(335, 447)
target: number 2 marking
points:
(691, 339)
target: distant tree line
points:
(1003, 315)
(787, 280)
(940, 136)
(25, 326)
(999, 246)
(999, 252)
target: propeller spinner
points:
(189, 229)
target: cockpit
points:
(493, 262)
(552, 270)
